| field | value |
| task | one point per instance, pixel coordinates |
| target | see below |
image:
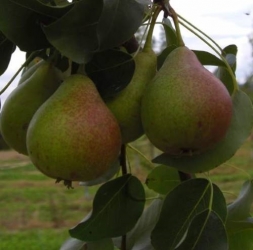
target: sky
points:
(225, 21)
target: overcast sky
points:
(226, 21)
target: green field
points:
(36, 213)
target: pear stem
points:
(124, 172)
(143, 156)
(174, 17)
(28, 60)
(235, 85)
(200, 31)
(240, 169)
(211, 195)
(137, 51)
(148, 43)
(123, 242)
(227, 192)
(123, 159)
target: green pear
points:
(35, 64)
(28, 71)
(185, 108)
(73, 136)
(24, 101)
(126, 105)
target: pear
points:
(28, 71)
(185, 108)
(126, 105)
(24, 101)
(73, 136)
(35, 64)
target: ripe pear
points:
(185, 109)
(126, 105)
(73, 136)
(24, 101)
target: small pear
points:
(185, 108)
(73, 136)
(126, 105)
(24, 101)
(29, 71)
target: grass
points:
(39, 239)
(36, 213)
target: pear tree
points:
(92, 84)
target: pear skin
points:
(185, 109)
(126, 105)
(30, 69)
(73, 136)
(24, 101)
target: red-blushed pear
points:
(23, 102)
(126, 105)
(185, 108)
(74, 136)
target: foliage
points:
(98, 39)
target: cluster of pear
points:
(183, 108)
(62, 124)
(186, 110)
(70, 133)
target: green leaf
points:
(37, 6)
(139, 237)
(24, 26)
(119, 20)
(57, 2)
(72, 39)
(205, 227)
(240, 231)
(231, 49)
(219, 205)
(105, 25)
(117, 206)
(224, 75)
(240, 208)
(170, 33)
(111, 71)
(104, 244)
(239, 130)
(241, 240)
(6, 50)
(222, 72)
(180, 206)
(207, 58)
(74, 244)
(234, 226)
(163, 179)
